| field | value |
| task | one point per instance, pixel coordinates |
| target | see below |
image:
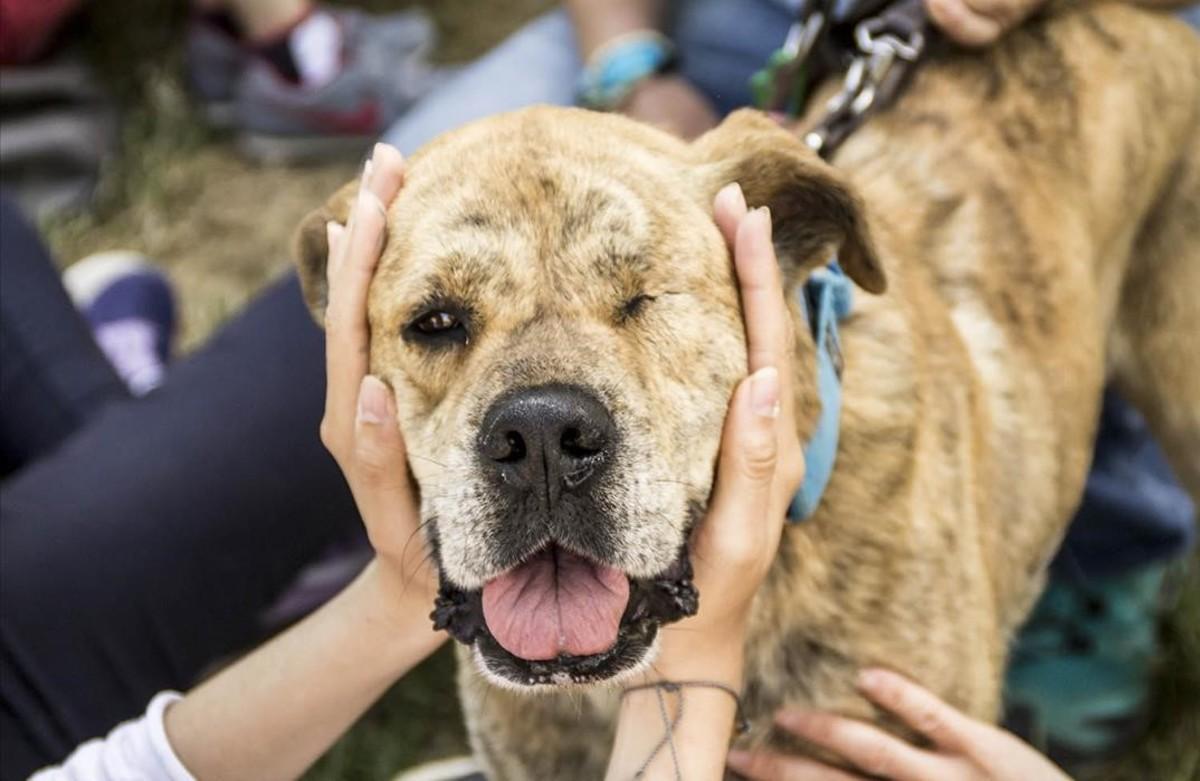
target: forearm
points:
(273, 713)
(701, 736)
(599, 21)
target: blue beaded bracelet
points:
(617, 67)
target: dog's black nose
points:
(547, 439)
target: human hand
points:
(760, 465)
(360, 426)
(672, 104)
(979, 22)
(963, 749)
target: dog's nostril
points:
(505, 447)
(576, 444)
(516, 448)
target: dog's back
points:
(1036, 206)
(1047, 194)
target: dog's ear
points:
(813, 209)
(310, 248)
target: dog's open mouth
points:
(561, 618)
(556, 602)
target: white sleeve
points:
(134, 751)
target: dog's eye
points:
(633, 306)
(437, 326)
(437, 322)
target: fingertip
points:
(754, 232)
(963, 24)
(791, 719)
(738, 757)
(731, 200)
(871, 678)
(739, 198)
(739, 760)
(724, 200)
(387, 157)
(333, 234)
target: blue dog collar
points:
(826, 299)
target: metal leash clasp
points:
(868, 73)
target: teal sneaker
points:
(1079, 677)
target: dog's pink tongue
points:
(556, 603)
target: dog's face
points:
(558, 317)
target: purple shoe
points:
(131, 309)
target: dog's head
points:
(558, 317)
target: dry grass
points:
(220, 226)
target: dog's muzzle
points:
(575, 649)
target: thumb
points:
(379, 477)
(746, 466)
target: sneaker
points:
(130, 307)
(214, 61)
(1078, 682)
(385, 70)
(454, 769)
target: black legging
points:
(141, 539)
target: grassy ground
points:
(220, 226)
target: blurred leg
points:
(1134, 512)
(53, 376)
(261, 18)
(722, 43)
(147, 545)
(537, 64)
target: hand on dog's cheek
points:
(360, 426)
(759, 463)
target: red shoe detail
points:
(364, 120)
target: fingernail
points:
(372, 401)
(366, 174)
(731, 193)
(741, 196)
(764, 392)
(738, 759)
(333, 232)
(765, 211)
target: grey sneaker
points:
(386, 69)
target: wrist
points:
(398, 609)
(688, 655)
(619, 66)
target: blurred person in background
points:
(299, 81)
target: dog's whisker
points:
(428, 459)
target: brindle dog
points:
(557, 315)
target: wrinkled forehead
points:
(528, 204)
